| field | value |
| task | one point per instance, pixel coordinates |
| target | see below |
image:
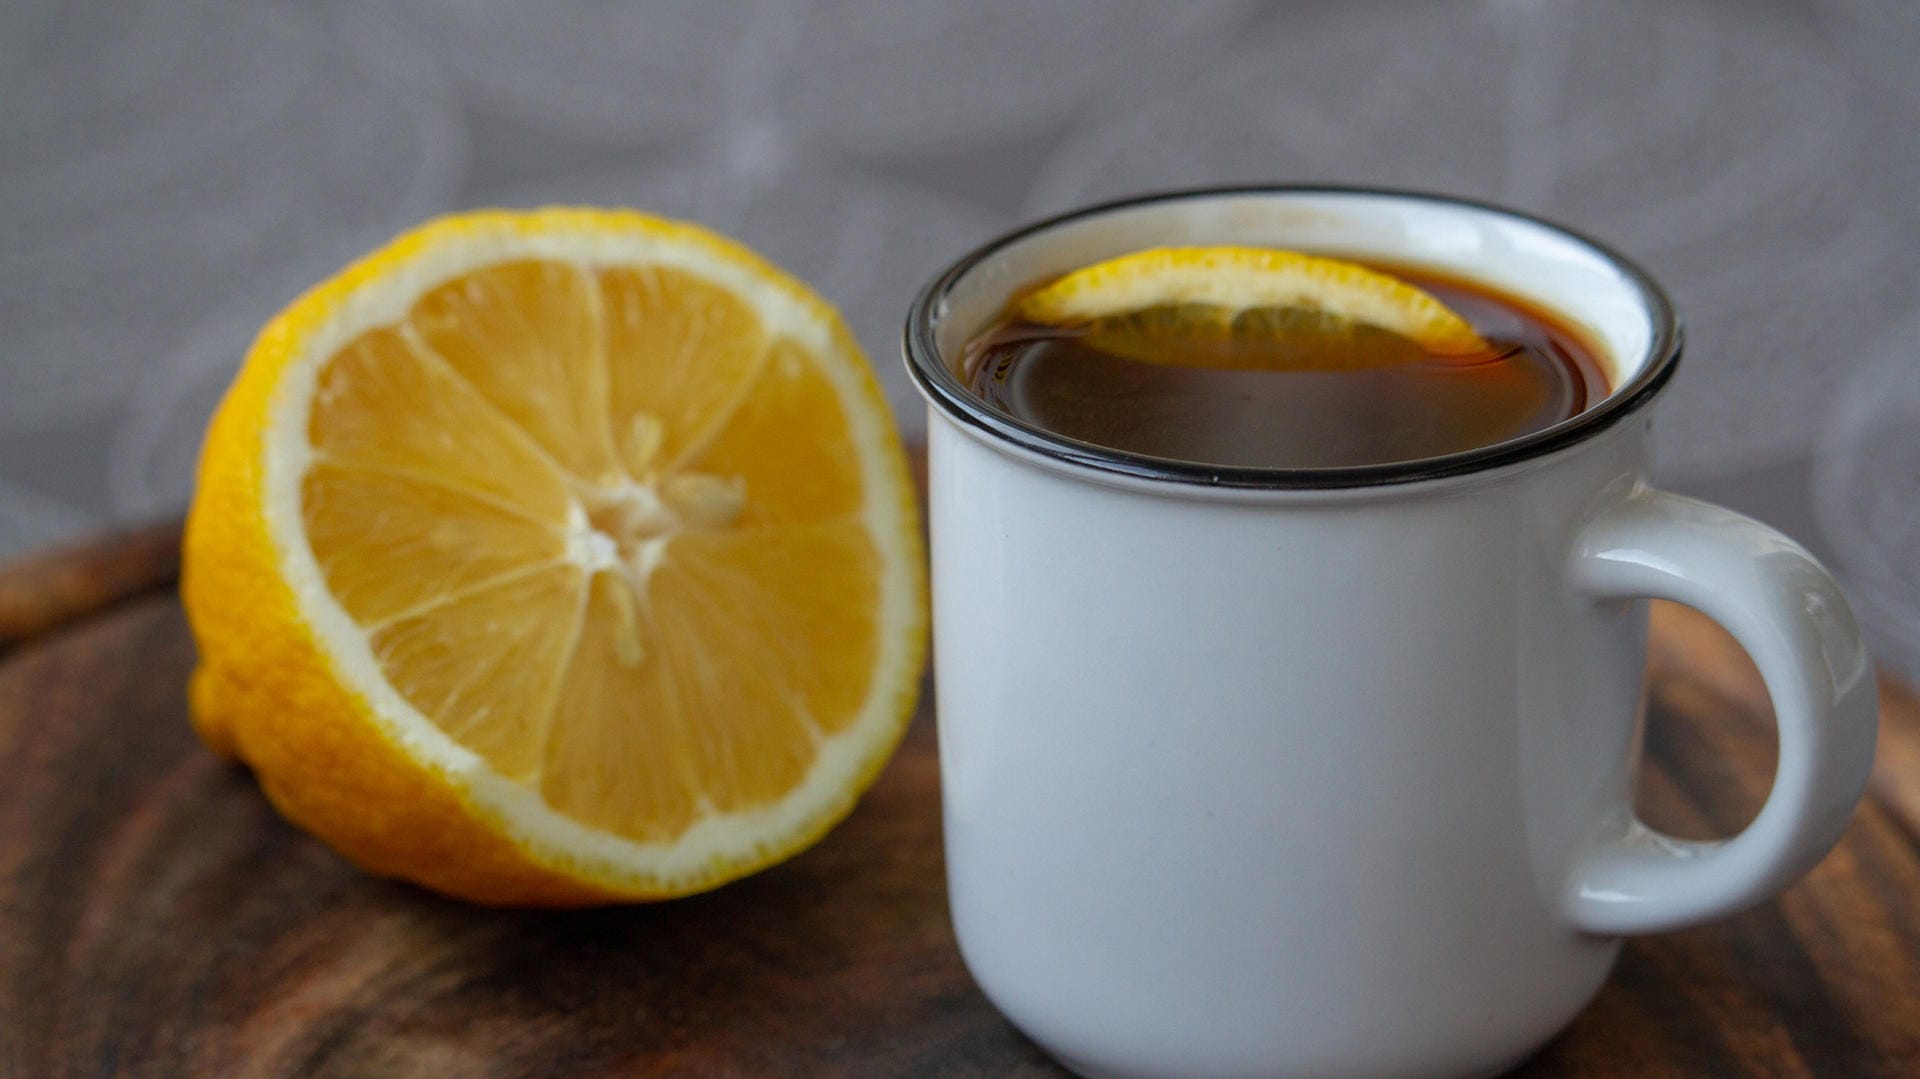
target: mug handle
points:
(1792, 619)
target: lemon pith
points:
(393, 526)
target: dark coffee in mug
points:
(1290, 388)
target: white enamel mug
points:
(1329, 772)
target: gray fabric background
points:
(172, 171)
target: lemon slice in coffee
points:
(1231, 306)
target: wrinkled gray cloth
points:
(173, 172)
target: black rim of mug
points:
(944, 388)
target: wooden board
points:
(158, 919)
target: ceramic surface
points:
(1251, 782)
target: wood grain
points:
(41, 591)
(157, 919)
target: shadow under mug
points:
(1329, 772)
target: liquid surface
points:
(1258, 413)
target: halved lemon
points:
(557, 557)
(1225, 307)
